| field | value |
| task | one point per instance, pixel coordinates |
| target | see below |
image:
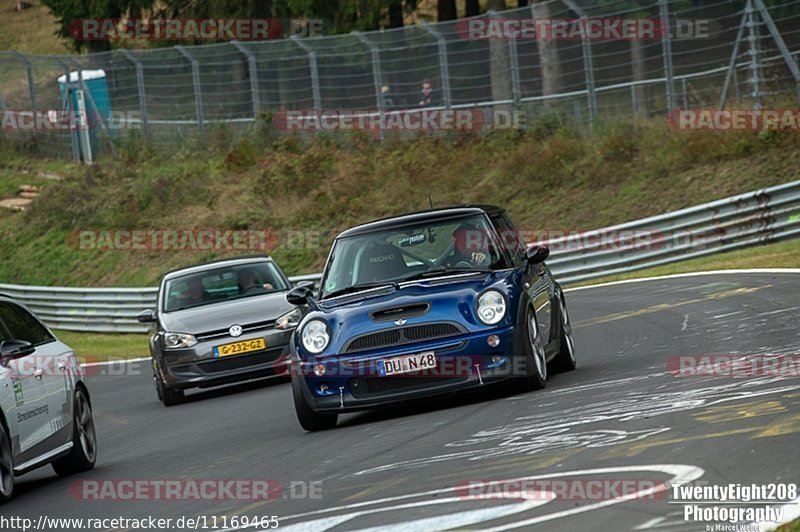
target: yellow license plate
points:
(238, 348)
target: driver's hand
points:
(268, 286)
(479, 257)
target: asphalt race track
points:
(620, 415)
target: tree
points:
(446, 10)
(67, 11)
(500, 61)
(549, 62)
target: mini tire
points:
(566, 359)
(535, 358)
(83, 454)
(309, 419)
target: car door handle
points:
(38, 373)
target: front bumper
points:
(198, 367)
(351, 382)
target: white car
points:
(45, 412)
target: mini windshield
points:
(412, 251)
(222, 284)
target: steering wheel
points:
(463, 264)
(253, 287)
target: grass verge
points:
(98, 347)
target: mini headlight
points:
(491, 307)
(290, 320)
(174, 340)
(315, 336)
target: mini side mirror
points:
(146, 316)
(536, 254)
(301, 295)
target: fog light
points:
(496, 359)
(493, 340)
(319, 370)
(323, 388)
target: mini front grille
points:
(402, 336)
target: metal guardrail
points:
(757, 217)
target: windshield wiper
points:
(441, 271)
(359, 288)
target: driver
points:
(247, 280)
(468, 248)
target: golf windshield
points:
(411, 251)
(222, 284)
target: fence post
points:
(29, 74)
(443, 65)
(139, 86)
(666, 45)
(753, 41)
(86, 143)
(252, 68)
(67, 106)
(776, 36)
(376, 75)
(732, 63)
(198, 98)
(312, 65)
(634, 107)
(376, 68)
(588, 59)
(685, 87)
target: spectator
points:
(427, 95)
(387, 98)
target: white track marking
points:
(117, 361)
(681, 474)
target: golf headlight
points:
(290, 320)
(178, 340)
(315, 336)
(491, 307)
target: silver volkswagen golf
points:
(45, 411)
(218, 323)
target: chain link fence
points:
(739, 51)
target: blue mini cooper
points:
(423, 304)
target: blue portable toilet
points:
(94, 82)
